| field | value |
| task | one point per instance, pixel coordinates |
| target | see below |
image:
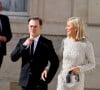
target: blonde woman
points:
(78, 56)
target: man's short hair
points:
(36, 18)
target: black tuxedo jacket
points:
(6, 31)
(37, 63)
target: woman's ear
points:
(75, 29)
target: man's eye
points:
(33, 26)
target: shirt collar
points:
(37, 38)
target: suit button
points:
(30, 60)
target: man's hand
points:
(44, 75)
(3, 39)
(28, 42)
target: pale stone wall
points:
(54, 14)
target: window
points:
(15, 7)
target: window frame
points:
(17, 16)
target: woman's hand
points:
(75, 70)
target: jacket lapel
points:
(38, 45)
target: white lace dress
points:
(80, 54)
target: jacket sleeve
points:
(8, 31)
(54, 62)
(18, 51)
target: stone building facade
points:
(54, 14)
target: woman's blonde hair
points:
(78, 23)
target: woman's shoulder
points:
(65, 39)
(87, 43)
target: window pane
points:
(15, 5)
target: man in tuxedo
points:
(36, 51)
(5, 34)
